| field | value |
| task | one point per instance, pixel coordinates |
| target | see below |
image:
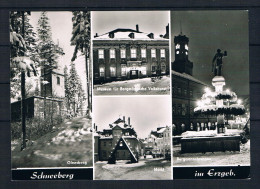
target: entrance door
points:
(134, 74)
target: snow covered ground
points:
(144, 86)
(154, 169)
(69, 145)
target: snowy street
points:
(143, 86)
(145, 169)
(68, 145)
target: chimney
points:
(124, 119)
(137, 28)
(129, 121)
(167, 32)
(96, 35)
(95, 127)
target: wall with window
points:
(105, 146)
(185, 94)
(58, 88)
(112, 58)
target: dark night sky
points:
(210, 30)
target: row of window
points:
(182, 109)
(104, 154)
(124, 70)
(117, 134)
(198, 126)
(133, 53)
(110, 143)
(177, 90)
(105, 143)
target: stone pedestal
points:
(218, 82)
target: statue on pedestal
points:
(217, 62)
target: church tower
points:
(52, 76)
(181, 63)
(53, 86)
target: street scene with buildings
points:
(210, 88)
(131, 54)
(130, 148)
(51, 104)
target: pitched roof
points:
(124, 139)
(161, 130)
(125, 33)
(129, 148)
(187, 76)
(119, 120)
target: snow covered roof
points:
(109, 129)
(127, 34)
(187, 76)
(153, 136)
(130, 149)
(161, 130)
(129, 136)
(95, 134)
(106, 137)
(120, 123)
(119, 120)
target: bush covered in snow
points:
(35, 127)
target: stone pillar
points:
(218, 82)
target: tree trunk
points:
(23, 104)
(23, 110)
(88, 86)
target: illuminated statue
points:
(217, 62)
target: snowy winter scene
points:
(51, 104)
(131, 53)
(210, 88)
(132, 138)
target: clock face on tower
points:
(181, 63)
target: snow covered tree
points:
(81, 40)
(74, 92)
(48, 51)
(66, 86)
(23, 51)
(21, 63)
(80, 97)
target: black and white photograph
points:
(51, 104)
(132, 138)
(131, 52)
(210, 88)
